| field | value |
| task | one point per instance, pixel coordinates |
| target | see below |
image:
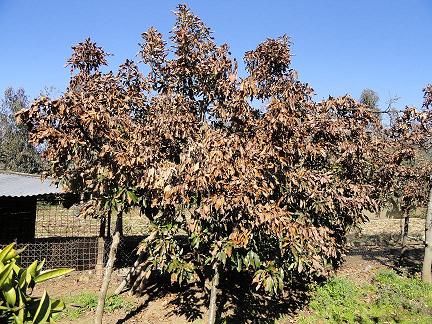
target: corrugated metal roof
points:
(22, 185)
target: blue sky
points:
(339, 46)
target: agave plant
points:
(16, 286)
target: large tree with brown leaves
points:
(409, 168)
(235, 174)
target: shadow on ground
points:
(381, 239)
(236, 301)
(241, 304)
(390, 257)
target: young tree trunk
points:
(405, 230)
(107, 277)
(427, 261)
(119, 224)
(131, 274)
(213, 298)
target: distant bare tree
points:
(391, 110)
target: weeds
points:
(87, 301)
(390, 298)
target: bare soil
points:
(375, 246)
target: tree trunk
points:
(427, 261)
(119, 224)
(131, 274)
(107, 277)
(405, 230)
(108, 228)
(213, 298)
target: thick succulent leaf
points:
(24, 279)
(5, 252)
(50, 274)
(32, 268)
(17, 319)
(5, 273)
(40, 266)
(57, 306)
(43, 311)
(10, 295)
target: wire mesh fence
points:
(54, 220)
(134, 223)
(62, 237)
(126, 252)
(78, 253)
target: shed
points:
(19, 193)
(44, 221)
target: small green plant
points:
(16, 285)
(87, 301)
(336, 295)
(390, 298)
(80, 304)
(117, 302)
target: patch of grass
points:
(78, 305)
(389, 299)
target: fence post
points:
(100, 256)
(101, 248)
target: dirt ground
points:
(372, 248)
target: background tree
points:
(409, 164)
(427, 260)
(370, 98)
(408, 158)
(407, 161)
(16, 154)
(227, 188)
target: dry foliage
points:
(409, 154)
(270, 191)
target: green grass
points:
(389, 299)
(78, 305)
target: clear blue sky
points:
(339, 46)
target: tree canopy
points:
(269, 191)
(16, 153)
(369, 98)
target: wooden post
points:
(100, 256)
(101, 248)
